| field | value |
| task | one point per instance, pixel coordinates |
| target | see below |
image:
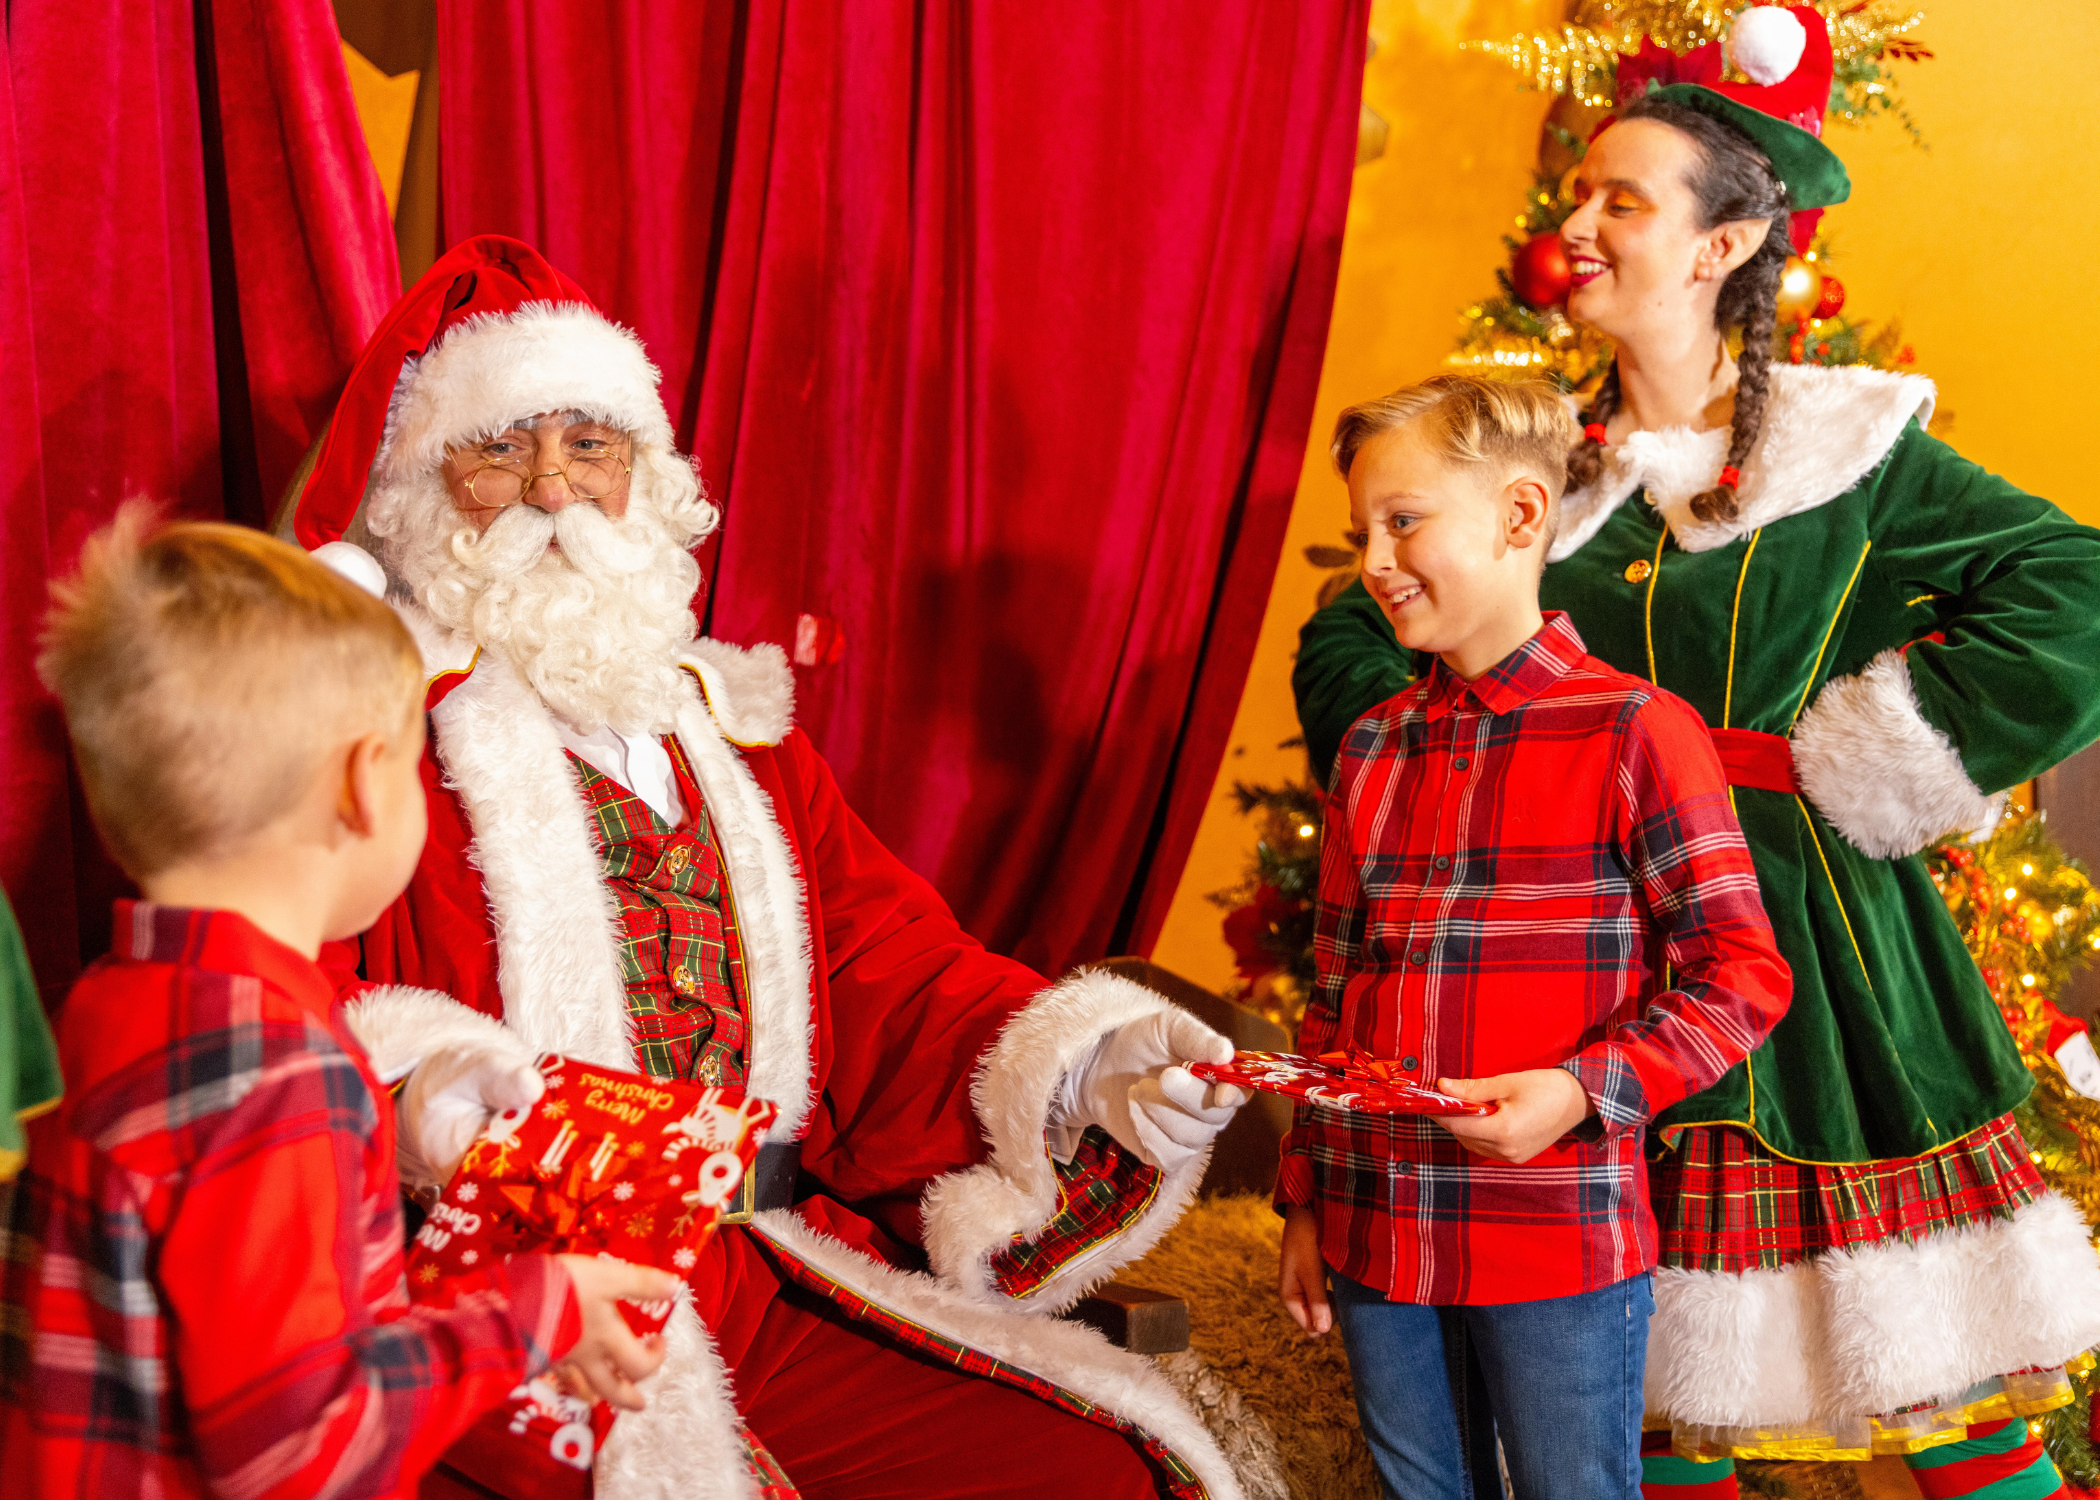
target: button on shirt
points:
(1537, 868)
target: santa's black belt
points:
(769, 1184)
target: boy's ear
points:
(1529, 510)
(357, 801)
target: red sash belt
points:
(1753, 758)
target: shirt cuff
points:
(1615, 1090)
(543, 1309)
(1294, 1184)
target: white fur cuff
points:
(1885, 778)
(1851, 1334)
(399, 1025)
(971, 1215)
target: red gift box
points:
(606, 1162)
(1352, 1080)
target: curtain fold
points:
(160, 147)
(997, 333)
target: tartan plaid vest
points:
(679, 955)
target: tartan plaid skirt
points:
(1724, 1202)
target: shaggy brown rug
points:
(1294, 1406)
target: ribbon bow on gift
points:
(1357, 1063)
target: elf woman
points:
(1857, 1254)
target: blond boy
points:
(200, 1266)
(1533, 892)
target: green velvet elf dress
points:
(1856, 1253)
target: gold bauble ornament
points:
(1800, 287)
(1567, 183)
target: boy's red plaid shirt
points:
(1537, 868)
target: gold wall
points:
(1977, 244)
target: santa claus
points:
(634, 858)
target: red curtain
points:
(148, 149)
(996, 328)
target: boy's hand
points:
(1304, 1274)
(608, 1359)
(1535, 1108)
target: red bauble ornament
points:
(1539, 271)
(1833, 298)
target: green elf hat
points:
(1813, 175)
(1784, 53)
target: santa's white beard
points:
(595, 622)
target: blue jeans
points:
(1560, 1376)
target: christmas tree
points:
(2032, 918)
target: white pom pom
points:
(1766, 42)
(351, 561)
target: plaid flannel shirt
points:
(200, 1266)
(1539, 868)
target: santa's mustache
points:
(586, 537)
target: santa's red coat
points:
(916, 1068)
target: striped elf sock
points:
(1998, 1460)
(1665, 1476)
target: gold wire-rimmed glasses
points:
(594, 464)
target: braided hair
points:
(1731, 179)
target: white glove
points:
(448, 1100)
(1133, 1086)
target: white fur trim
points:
(399, 1025)
(349, 561)
(557, 922)
(1766, 42)
(970, 1215)
(1069, 1355)
(772, 919)
(443, 650)
(1826, 429)
(493, 369)
(750, 690)
(1886, 779)
(1851, 1334)
(685, 1445)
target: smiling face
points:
(1451, 552)
(1643, 267)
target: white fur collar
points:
(749, 690)
(1826, 428)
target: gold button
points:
(1638, 570)
(676, 859)
(682, 980)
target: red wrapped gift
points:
(1352, 1080)
(614, 1163)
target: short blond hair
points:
(1505, 424)
(206, 669)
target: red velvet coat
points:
(916, 1068)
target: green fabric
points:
(1813, 175)
(1907, 1053)
(29, 1081)
(1348, 664)
(2009, 1436)
(1669, 1469)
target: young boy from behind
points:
(1533, 891)
(201, 1284)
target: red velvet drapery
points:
(193, 243)
(997, 330)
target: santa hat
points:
(1785, 53)
(490, 334)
